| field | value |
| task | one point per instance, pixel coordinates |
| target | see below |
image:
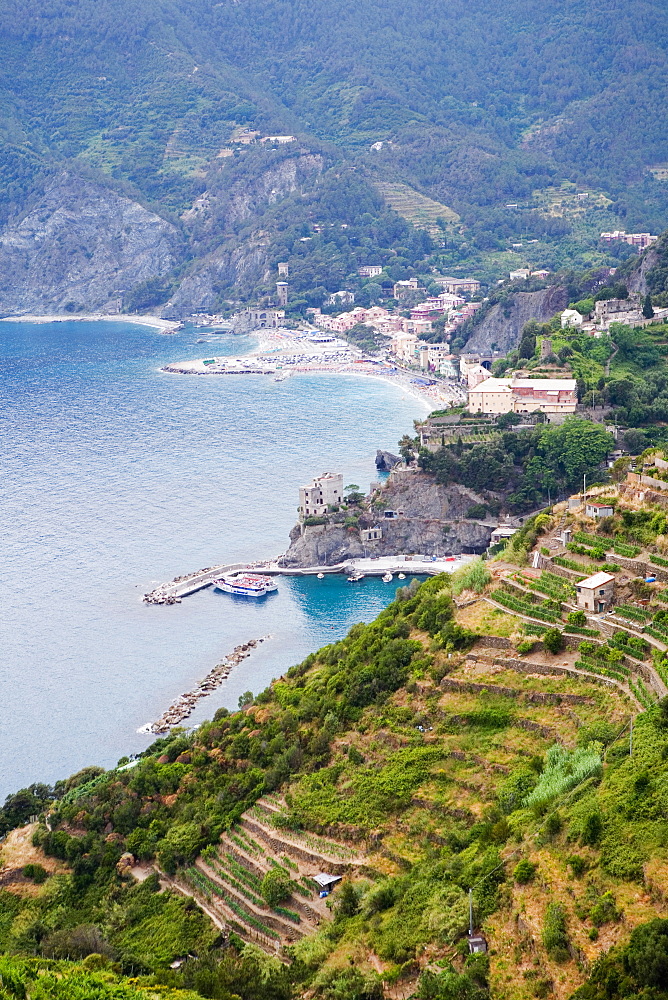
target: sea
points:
(116, 477)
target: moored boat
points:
(387, 577)
(245, 584)
(355, 576)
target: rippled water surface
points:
(116, 477)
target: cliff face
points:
(431, 522)
(80, 247)
(217, 211)
(500, 329)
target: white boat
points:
(387, 577)
(355, 576)
(321, 576)
(245, 584)
(401, 576)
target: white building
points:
(316, 497)
(369, 270)
(521, 274)
(570, 317)
(341, 298)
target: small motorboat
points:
(321, 576)
(387, 577)
(355, 576)
(401, 576)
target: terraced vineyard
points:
(416, 208)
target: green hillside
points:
(476, 107)
(418, 758)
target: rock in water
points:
(385, 460)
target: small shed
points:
(596, 593)
(326, 882)
(371, 534)
(502, 533)
(597, 510)
(389, 514)
(477, 944)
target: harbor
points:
(399, 565)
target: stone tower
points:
(282, 292)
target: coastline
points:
(156, 322)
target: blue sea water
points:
(116, 477)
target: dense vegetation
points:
(477, 107)
(524, 465)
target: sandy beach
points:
(165, 325)
(286, 353)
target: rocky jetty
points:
(161, 594)
(184, 705)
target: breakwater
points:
(180, 709)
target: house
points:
(369, 270)
(341, 298)
(468, 286)
(326, 882)
(316, 497)
(283, 269)
(570, 317)
(640, 240)
(501, 534)
(257, 319)
(280, 140)
(521, 274)
(596, 593)
(540, 274)
(524, 395)
(371, 534)
(402, 288)
(594, 509)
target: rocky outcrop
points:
(328, 545)
(500, 328)
(431, 522)
(79, 248)
(385, 460)
(241, 266)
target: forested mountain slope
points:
(476, 105)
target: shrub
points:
(592, 828)
(553, 824)
(37, 873)
(525, 871)
(564, 769)
(553, 640)
(622, 861)
(525, 646)
(555, 937)
(605, 911)
(576, 618)
(577, 864)
(474, 576)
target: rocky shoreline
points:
(184, 705)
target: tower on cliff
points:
(282, 292)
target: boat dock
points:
(416, 565)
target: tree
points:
(275, 887)
(647, 308)
(246, 698)
(635, 441)
(407, 448)
(576, 447)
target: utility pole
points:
(470, 912)
(584, 489)
(631, 739)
